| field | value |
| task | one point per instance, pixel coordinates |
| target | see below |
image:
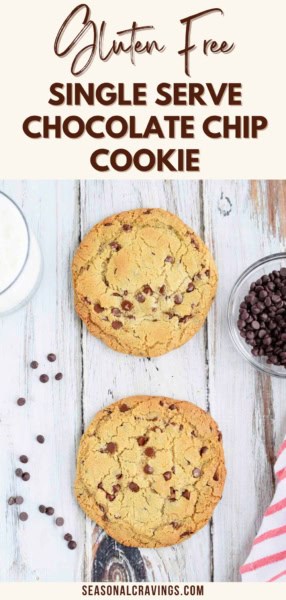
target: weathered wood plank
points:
(35, 550)
(241, 227)
(181, 374)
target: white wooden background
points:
(241, 222)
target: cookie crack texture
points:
(143, 282)
(150, 470)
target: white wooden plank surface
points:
(35, 550)
(241, 221)
(239, 232)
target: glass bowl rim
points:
(239, 346)
(28, 246)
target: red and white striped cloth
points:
(267, 559)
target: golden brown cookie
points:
(143, 282)
(150, 470)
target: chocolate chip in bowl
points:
(257, 315)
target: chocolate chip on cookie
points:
(124, 408)
(186, 494)
(117, 325)
(148, 470)
(197, 473)
(133, 487)
(142, 440)
(98, 309)
(150, 452)
(126, 305)
(110, 448)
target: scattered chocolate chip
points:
(21, 401)
(142, 440)
(203, 450)
(50, 511)
(107, 224)
(186, 494)
(123, 408)
(207, 272)
(167, 475)
(150, 452)
(169, 259)
(23, 516)
(26, 476)
(23, 459)
(72, 545)
(148, 470)
(140, 298)
(219, 437)
(19, 500)
(190, 287)
(58, 376)
(44, 378)
(98, 309)
(178, 299)
(133, 487)
(68, 537)
(42, 508)
(126, 305)
(34, 364)
(172, 407)
(116, 312)
(11, 501)
(126, 227)
(115, 246)
(147, 290)
(40, 439)
(117, 324)
(51, 357)
(162, 290)
(19, 472)
(119, 476)
(175, 525)
(59, 521)
(197, 473)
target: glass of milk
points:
(20, 258)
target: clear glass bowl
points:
(241, 288)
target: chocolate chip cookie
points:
(143, 281)
(150, 470)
